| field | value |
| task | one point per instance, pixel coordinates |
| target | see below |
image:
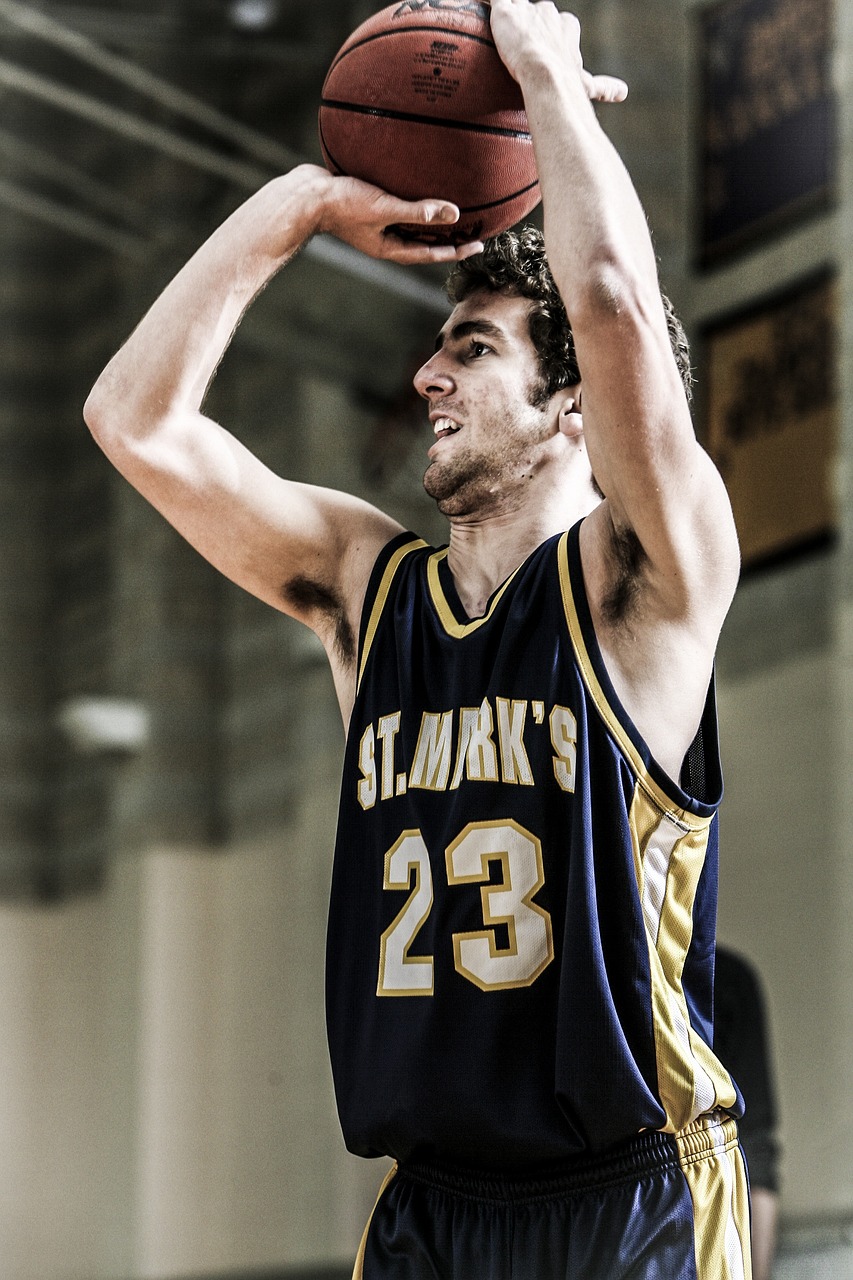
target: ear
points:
(570, 420)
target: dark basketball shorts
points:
(659, 1207)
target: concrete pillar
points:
(67, 1061)
(180, 1100)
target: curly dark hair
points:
(514, 263)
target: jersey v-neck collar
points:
(445, 597)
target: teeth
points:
(445, 424)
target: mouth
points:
(444, 427)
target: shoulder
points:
(347, 608)
(326, 591)
(403, 554)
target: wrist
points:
(273, 224)
(333, 195)
(547, 77)
(297, 201)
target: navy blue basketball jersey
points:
(521, 931)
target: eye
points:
(477, 349)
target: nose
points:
(432, 379)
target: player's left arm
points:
(664, 495)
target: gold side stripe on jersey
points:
(453, 628)
(670, 846)
(668, 863)
(616, 729)
(382, 597)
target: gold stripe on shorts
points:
(713, 1166)
(358, 1269)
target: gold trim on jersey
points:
(381, 598)
(457, 630)
(668, 863)
(666, 804)
(669, 847)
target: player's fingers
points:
(444, 253)
(412, 252)
(605, 88)
(442, 213)
(429, 212)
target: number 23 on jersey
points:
(478, 957)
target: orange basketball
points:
(418, 102)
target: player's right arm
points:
(307, 551)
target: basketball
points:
(418, 102)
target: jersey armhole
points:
(697, 793)
(382, 575)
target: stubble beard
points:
(460, 485)
(471, 483)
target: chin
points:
(450, 499)
(439, 483)
(464, 497)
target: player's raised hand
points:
(529, 35)
(365, 217)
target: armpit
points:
(626, 559)
(307, 597)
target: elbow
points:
(106, 414)
(612, 291)
(93, 413)
(97, 412)
(619, 305)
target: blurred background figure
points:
(742, 1041)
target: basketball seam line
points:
(410, 118)
(471, 208)
(402, 31)
(493, 204)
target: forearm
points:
(165, 367)
(595, 229)
(167, 363)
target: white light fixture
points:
(253, 15)
(97, 725)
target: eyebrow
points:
(465, 328)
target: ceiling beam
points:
(253, 143)
(26, 156)
(116, 120)
(245, 177)
(81, 225)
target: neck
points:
(484, 551)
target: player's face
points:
(490, 438)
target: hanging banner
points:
(772, 418)
(767, 119)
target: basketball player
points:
(521, 933)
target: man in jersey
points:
(520, 944)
